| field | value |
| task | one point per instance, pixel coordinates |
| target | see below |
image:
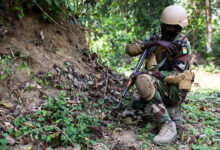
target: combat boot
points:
(167, 133)
(176, 115)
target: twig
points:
(66, 136)
(12, 53)
(48, 15)
(106, 83)
(104, 146)
(43, 146)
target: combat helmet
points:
(174, 15)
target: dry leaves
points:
(29, 124)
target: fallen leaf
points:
(205, 108)
(113, 132)
(4, 105)
(96, 84)
(72, 102)
(56, 134)
(103, 116)
(29, 124)
(10, 140)
(119, 89)
(98, 75)
(7, 126)
(29, 47)
(86, 138)
(26, 140)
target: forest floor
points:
(54, 94)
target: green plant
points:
(5, 66)
(19, 10)
(146, 145)
(3, 141)
(211, 68)
(110, 126)
(198, 111)
(66, 125)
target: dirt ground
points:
(45, 48)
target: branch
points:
(48, 15)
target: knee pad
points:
(145, 86)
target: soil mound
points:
(47, 49)
(47, 44)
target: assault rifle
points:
(146, 52)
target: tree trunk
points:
(126, 14)
(209, 26)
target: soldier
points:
(167, 79)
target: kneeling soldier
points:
(164, 86)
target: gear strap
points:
(160, 64)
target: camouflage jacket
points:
(173, 65)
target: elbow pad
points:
(133, 49)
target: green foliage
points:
(144, 134)
(216, 47)
(19, 10)
(70, 122)
(5, 66)
(211, 67)
(114, 23)
(201, 109)
(3, 142)
(197, 22)
(111, 24)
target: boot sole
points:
(164, 144)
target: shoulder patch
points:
(184, 50)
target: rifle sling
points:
(160, 64)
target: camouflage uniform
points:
(166, 95)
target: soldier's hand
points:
(171, 48)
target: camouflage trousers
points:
(166, 95)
